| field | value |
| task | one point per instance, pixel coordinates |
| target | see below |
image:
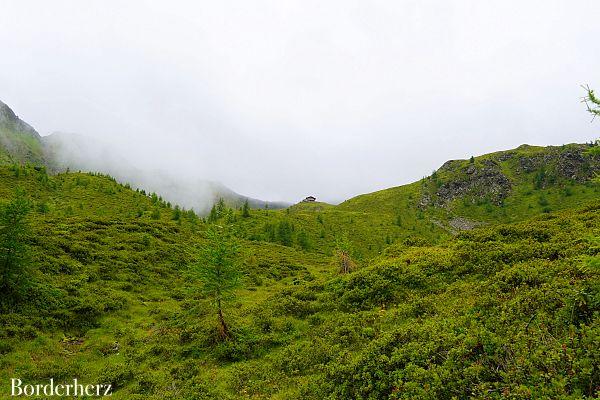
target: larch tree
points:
(592, 102)
(218, 270)
(342, 254)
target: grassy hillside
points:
(504, 310)
(501, 187)
(507, 185)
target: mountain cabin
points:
(309, 199)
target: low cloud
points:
(279, 100)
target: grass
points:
(509, 309)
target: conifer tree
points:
(284, 232)
(221, 208)
(342, 254)
(176, 214)
(218, 270)
(303, 240)
(13, 248)
(246, 209)
(213, 216)
(591, 101)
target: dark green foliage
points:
(246, 209)
(192, 217)
(539, 179)
(155, 213)
(221, 211)
(213, 216)
(218, 272)
(14, 232)
(285, 233)
(221, 208)
(501, 311)
(398, 220)
(43, 208)
(304, 240)
(176, 216)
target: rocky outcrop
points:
(569, 163)
(482, 183)
(457, 224)
(485, 182)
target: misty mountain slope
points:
(509, 309)
(74, 194)
(79, 152)
(19, 142)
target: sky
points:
(283, 99)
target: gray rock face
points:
(6, 114)
(571, 163)
(507, 155)
(463, 224)
(529, 164)
(10, 120)
(458, 224)
(484, 179)
(485, 182)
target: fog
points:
(282, 99)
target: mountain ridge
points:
(59, 152)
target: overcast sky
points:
(282, 99)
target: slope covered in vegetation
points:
(501, 187)
(498, 311)
(480, 280)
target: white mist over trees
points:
(279, 100)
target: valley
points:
(482, 280)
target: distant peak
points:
(6, 113)
(8, 116)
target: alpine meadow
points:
(480, 280)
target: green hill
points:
(469, 285)
(507, 186)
